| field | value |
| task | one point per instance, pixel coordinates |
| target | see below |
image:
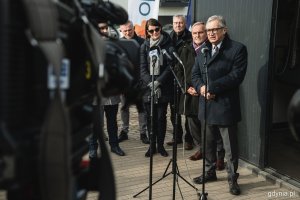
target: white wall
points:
(163, 11)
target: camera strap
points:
(55, 141)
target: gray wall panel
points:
(248, 21)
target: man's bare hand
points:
(192, 91)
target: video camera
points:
(54, 65)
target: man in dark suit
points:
(226, 69)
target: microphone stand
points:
(175, 170)
(150, 135)
(151, 132)
(204, 194)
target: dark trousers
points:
(229, 137)
(194, 127)
(159, 122)
(112, 129)
(173, 118)
(111, 112)
(188, 135)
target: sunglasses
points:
(152, 31)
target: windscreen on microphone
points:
(155, 48)
(164, 52)
(154, 58)
(204, 50)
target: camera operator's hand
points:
(156, 84)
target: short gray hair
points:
(197, 24)
(219, 18)
(128, 22)
(180, 16)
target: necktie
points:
(215, 50)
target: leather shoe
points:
(170, 143)
(220, 165)
(233, 185)
(144, 139)
(123, 136)
(196, 156)
(163, 152)
(209, 177)
(117, 150)
(188, 146)
(147, 154)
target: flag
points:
(140, 11)
(189, 16)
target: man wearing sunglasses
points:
(128, 32)
(226, 68)
(180, 37)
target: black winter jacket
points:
(165, 78)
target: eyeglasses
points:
(156, 30)
(213, 30)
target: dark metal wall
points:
(248, 21)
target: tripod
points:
(173, 160)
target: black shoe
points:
(144, 139)
(147, 154)
(163, 152)
(123, 136)
(209, 177)
(117, 150)
(234, 188)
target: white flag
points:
(140, 11)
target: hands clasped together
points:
(209, 96)
(156, 88)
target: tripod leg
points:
(179, 175)
(165, 174)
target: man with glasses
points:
(226, 69)
(128, 32)
(180, 37)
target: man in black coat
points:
(180, 37)
(128, 32)
(189, 102)
(219, 89)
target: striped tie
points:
(215, 50)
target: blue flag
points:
(189, 16)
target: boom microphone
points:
(173, 51)
(164, 52)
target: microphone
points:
(154, 58)
(173, 51)
(204, 50)
(164, 52)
